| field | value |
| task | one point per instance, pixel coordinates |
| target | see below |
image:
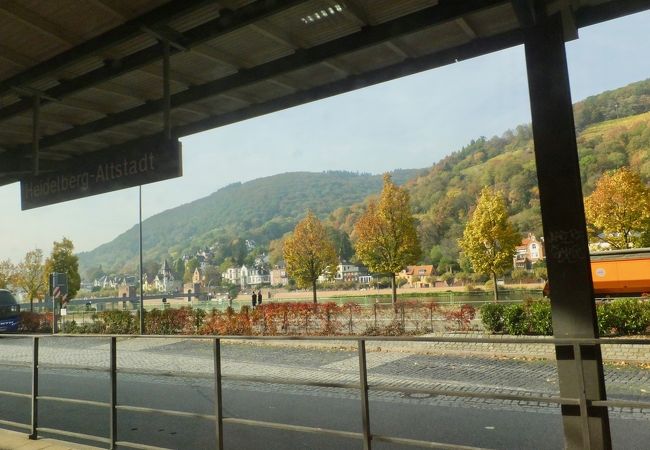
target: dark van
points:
(9, 312)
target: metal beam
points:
(38, 23)
(14, 161)
(409, 67)
(104, 41)
(567, 252)
(449, 56)
(525, 12)
(467, 28)
(224, 24)
(368, 36)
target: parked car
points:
(9, 312)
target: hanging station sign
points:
(104, 171)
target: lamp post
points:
(141, 269)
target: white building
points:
(165, 281)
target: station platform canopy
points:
(79, 77)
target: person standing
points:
(259, 297)
(254, 299)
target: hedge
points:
(620, 317)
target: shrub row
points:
(268, 319)
(618, 317)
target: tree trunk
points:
(313, 289)
(394, 289)
(31, 304)
(496, 288)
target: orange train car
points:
(619, 273)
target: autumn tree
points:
(386, 234)
(489, 239)
(63, 260)
(618, 210)
(7, 271)
(190, 266)
(30, 276)
(308, 253)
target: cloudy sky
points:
(407, 123)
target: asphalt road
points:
(491, 424)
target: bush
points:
(395, 328)
(492, 316)
(514, 319)
(618, 317)
(117, 322)
(31, 322)
(623, 317)
(462, 316)
(539, 317)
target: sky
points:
(411, 122)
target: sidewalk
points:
(11, 440)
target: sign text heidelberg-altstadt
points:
(102, 172)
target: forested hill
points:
(261, 210)
(613, 131)
(443, 197)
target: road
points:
(475, 422)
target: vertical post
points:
(584, 408)
(374, 307)
(36, 132)
(113, 400)
(34, 431)
(558, 173)
(218, 410)
(350, 321)
(142, 330)
(54, 322)
(363, 386)
(166, 92)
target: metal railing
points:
(366, 435)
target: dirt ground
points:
(307, 294)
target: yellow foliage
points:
(308, 252)
(489, 239)
(618, 211)
(386, 234)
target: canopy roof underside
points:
(96, 65)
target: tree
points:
(341, 242)
(178, 268)
(7, 272)
(489, 239)
(387, 238)
(519, 275)
(191, 265)
(308, 253)
(63, 260)
(618, 210)
(95, 273)
(211, 276)
(30, 277)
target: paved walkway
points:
(11, 440)
(314, 363)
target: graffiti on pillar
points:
(566, 246)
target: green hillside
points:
(261, 210)
(613, 131)
(443, 198)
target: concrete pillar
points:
(567, 251)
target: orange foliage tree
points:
(309, 253)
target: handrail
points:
(497, 339)
(363, 386)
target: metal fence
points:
(367, 435)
